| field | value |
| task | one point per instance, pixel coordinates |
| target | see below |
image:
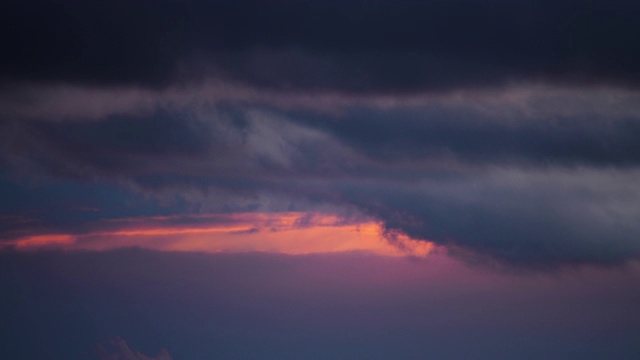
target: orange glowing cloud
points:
(287, 233)
(40, 241)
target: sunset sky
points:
(307, 179)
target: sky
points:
(319, 179)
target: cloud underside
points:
(503, 129)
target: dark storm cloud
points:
(237, 144)
(357, 46)
(435, 133)
(530, 219)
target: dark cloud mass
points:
(357, 46)
(436, 132)
(507, 129)
(529, 192)
(518, 218)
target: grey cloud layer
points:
(527, 190)
(535, 218)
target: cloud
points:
(283, 233)
(501, 178)
(531, 126)
(502, 128)
(360, 47)
(232, 147)
(531, 218)
(432, 133)
(118, 349)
